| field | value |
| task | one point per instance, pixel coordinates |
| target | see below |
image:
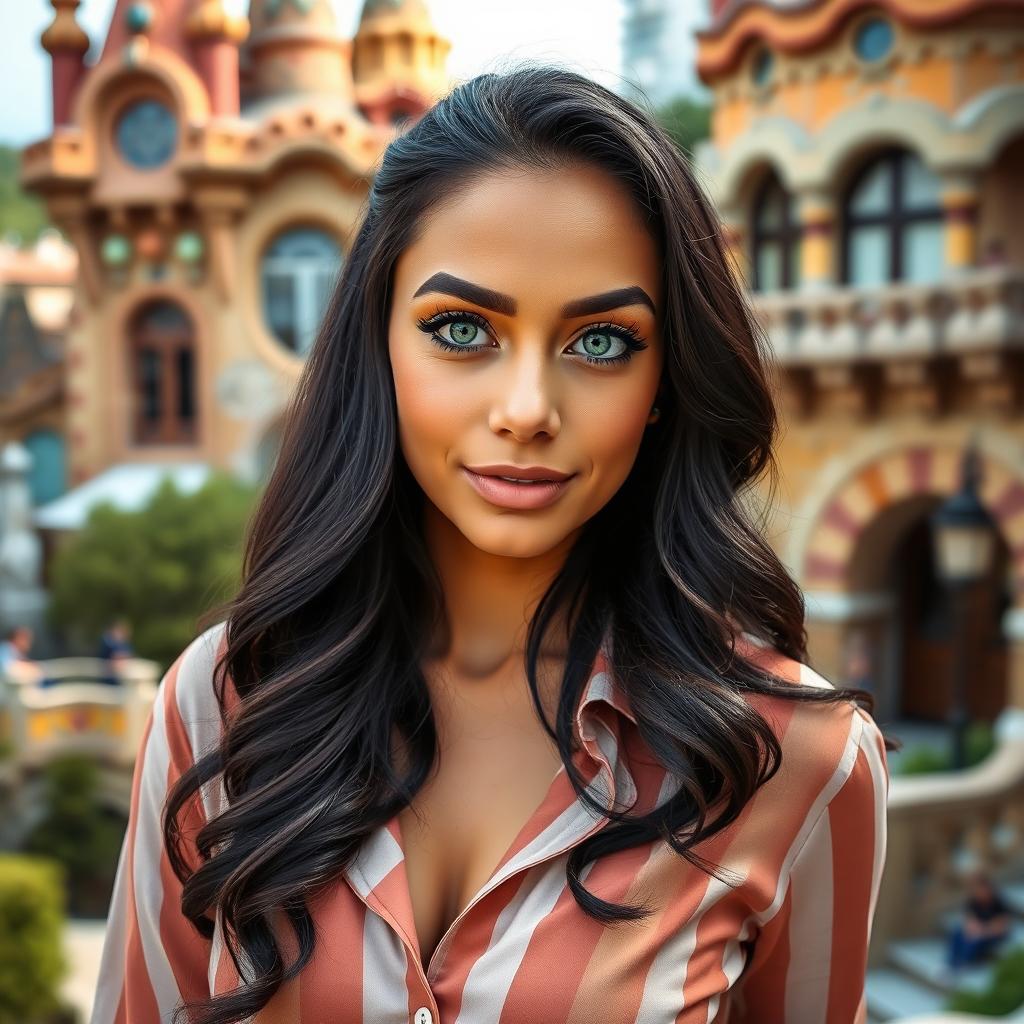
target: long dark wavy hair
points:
(325, 638)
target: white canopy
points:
(128, 486)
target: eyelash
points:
(429, 325)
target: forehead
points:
(536, 234)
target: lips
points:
(504, 469)
(538, 493)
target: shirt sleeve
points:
(153, 957)
(809, 961)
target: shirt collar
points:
(603, 687)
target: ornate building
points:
(36, 292)
(867, 159)
(210, 171)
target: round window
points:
(874, 39)
(146, 134)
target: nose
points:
(524, 403)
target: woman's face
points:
(496, 308)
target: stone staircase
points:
(915, 981)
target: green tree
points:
(688, 121)
(160, 567)
(32, 961)
(21, 215)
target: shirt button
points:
(423, 1016)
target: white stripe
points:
(666, 978)
(149, 893)
(818, 808)
(385, 963)
(200, 711)
(829, 790)
(734, 959)
(810, 927)
(667, 974)
(871, 744)
(376, 858)
(112, 959)
(216, 948)
(809, 677)
(492, 974)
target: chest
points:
(484, 791)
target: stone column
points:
(818, 257)
(960, 200)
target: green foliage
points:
(687, 121)
(32, 961)
(79, 833)
(160, 567)
(21, 214)
(1005, 992)
(924, 758)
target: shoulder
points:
(186, 705)
(829, 750)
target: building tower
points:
(210, 171)
(398, 60)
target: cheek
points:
(610, 427)
(428, 409)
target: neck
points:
(489, 600)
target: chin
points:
(518, 540)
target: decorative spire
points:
(66, 42)
(209, 20)
(398, 60)
(215, 36)
(64, 34)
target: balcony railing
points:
(979, 311)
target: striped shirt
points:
(785, 943)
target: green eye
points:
(598, 343)
(463, 332)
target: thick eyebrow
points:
(498, 302)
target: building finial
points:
(64, 33)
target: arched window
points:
(298, 273)
(163, 375)
(775, 238)
(893, 223)
(47, 477)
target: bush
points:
(1004, 994)
(923, 758)
(79, 833)
(32, 961)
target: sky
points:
(584, 34)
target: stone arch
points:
(778, 142)
(826, 549)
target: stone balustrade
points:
(77, 713)
(979, 310)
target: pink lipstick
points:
(530, 487)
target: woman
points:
(511, 751)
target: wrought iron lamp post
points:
(963, 534)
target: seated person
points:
(985, 924)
